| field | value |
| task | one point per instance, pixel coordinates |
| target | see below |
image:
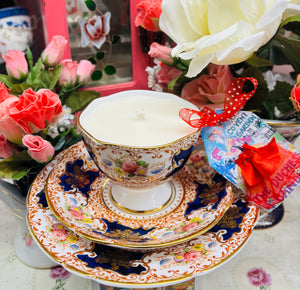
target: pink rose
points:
(161, 52)
(39, 149)
(68, 75)
(209, 90)
(188, 226)
(60, 234)
(191, 255)
(84, 71)
(11, 130)
(259, 277)
(166, 73)
(6, 148)
(59, 273)
(95, 30)
(33, 111)
(54, 52)
(149, 13)
(4, 93)
(76, 214)
(129, 167)
(16, 64)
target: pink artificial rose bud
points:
(68, 75)
(84, 71)
(54, 52)
(161, 52)
(6, 148)
(38, 148)
(16, 64)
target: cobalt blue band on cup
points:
(13, 11)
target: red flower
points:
(149, 13)
(295, 94)
(34, 110)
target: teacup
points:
(138, 171)
(15, 29)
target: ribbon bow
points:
(237, 94)
(267, 172)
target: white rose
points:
(221, 32)
(293, 9)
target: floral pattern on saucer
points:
(79, 196)
(141, 269)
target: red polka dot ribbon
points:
(237, 94)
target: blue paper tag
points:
(223, 144)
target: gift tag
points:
(255, 158)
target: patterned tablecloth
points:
(271, 257)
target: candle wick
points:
(140, 114)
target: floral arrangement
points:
(208, 44)
(38, 104)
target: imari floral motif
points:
(184, 227)
(62, 234)
(78, 213)
(194, 253)
(190, 213)
(130, 168)
(117, 267)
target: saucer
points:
(126, 268)
(80, 198)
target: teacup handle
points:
(33, 20)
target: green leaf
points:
(140, 163)
(100, 55)
(115, 38)
(78, 100)
(110, 70)
(92, 60)
(18, 89)
(280, 97)
(290, 48)
(257, 61)
(261, 92)
(35, 71)
(29, 58)
(172, 83)
(90, 5)
(291, 23)
(96, 75)
(50, 77)
(5, 79)
(16, 166)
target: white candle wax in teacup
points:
(138, 140)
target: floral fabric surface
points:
(270, 260)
